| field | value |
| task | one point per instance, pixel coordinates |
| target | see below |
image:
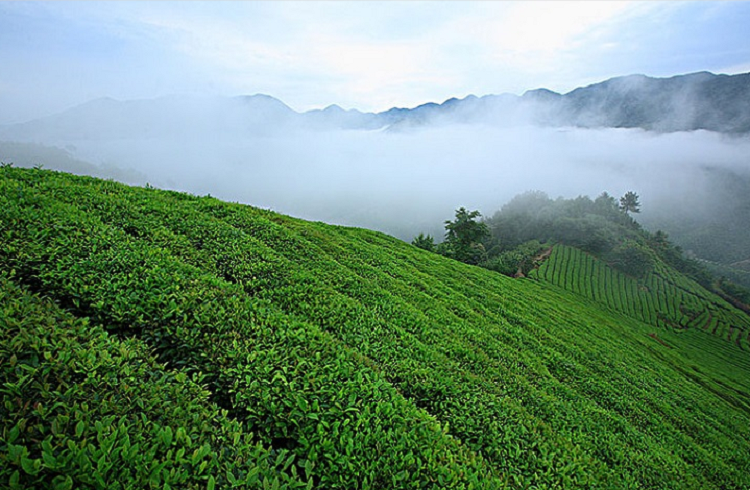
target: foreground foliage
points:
(234, 347)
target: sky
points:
(358, 54)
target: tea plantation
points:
(663, 298)
(154, 339)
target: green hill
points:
(153, 339)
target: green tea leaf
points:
(31, 466)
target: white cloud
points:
(375, 55)
(543, 36)
(368, 55)
(372, 69)
(549, 27)
(342, 64)
(735, 69)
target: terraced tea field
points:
(664, 298)
(153, 339)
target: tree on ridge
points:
(629, 203)
(464, 236)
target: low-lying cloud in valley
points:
(401, 178)
(406, 182)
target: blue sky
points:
(365, 55)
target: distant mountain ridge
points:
(696, 101)
(689, 102)
(682, 103)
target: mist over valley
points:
(404, 171)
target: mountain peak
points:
(541, 94)
(264, 99)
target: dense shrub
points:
(631, 258)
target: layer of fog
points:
(255, 150)
(404, 183)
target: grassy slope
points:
(351, 359)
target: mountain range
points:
(696, 101)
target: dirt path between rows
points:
(544, 255)
(535, 260)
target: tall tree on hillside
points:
(629, 203)
(464, 236)
(606, 205)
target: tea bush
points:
(279, 353)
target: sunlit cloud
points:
(548, 28)
(366, 55)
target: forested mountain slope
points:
(163, 340)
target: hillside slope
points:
(664, 298)
(302, 355)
